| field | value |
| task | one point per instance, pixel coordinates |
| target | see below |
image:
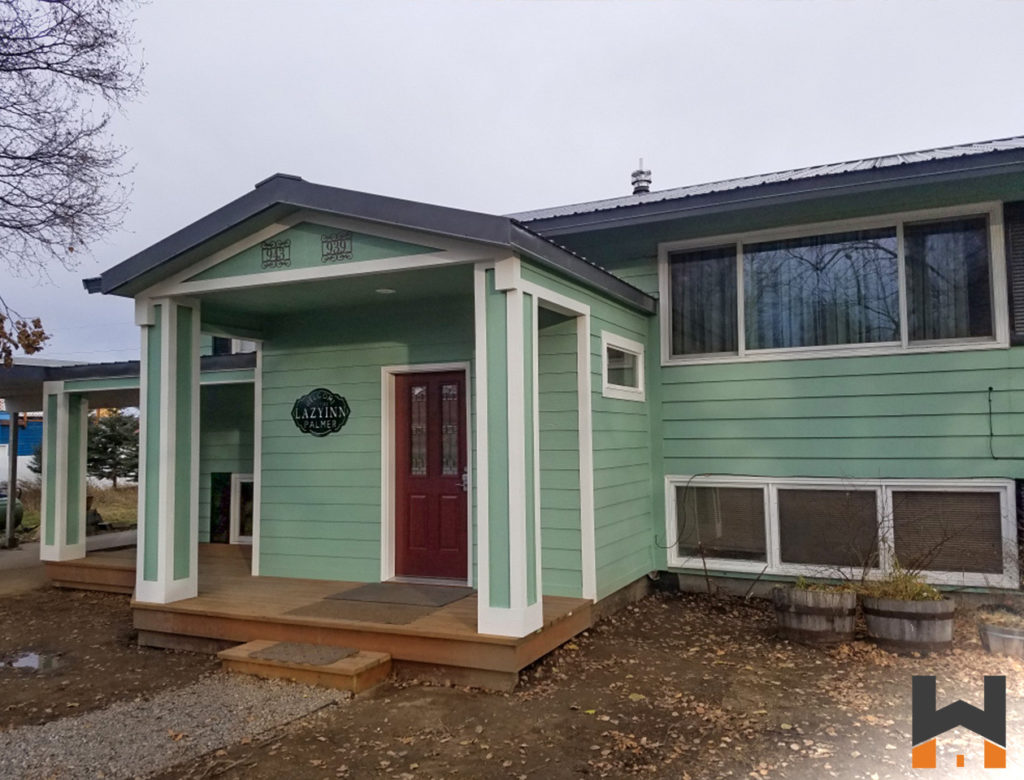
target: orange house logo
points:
(988, 723)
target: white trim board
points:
(882, 489)
(997, 278)
(570, 307)
(387, 461)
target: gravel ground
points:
(146, 736)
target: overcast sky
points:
(507, 106)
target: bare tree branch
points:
(64, 66)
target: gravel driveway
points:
(146, 736)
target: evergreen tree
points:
(113, 446)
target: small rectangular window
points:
(623, 367)
(721, 522)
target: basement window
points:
(623, 367)
(952, 532)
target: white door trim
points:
(235, 510)
(387, 461)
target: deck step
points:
(357, 671)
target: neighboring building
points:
(813, 372)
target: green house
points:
(809, 373)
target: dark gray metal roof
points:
(27, 378)
(282, 194)
(984, 156)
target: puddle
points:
(37, 662)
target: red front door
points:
(430, 465)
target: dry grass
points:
(118, 507)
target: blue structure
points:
(29, 437)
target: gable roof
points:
(1004, 155)
(282, 194)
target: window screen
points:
(703, 301)
(956, 532)
(721, 522)
(829, 527)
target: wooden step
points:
(357, 672)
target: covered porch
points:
(234, 607)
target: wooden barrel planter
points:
(910, 626)
(1002, 640)
(815, 617)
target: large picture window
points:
(951, 532)
(902, 283)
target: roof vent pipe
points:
(641, 179)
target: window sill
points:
(819, 353)
(622, 393)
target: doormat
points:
(362, 612)
(303, 653)
(409, 593)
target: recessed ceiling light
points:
(385, 291)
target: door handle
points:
(464, 481)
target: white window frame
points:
(883, 489)
(630, 347)
(992, 210)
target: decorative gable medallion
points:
(336, 246)
(276, 253)
(320, 412)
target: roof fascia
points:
(796, 190)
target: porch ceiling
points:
(248, 305)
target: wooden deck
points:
(108, 570)
(234, 607)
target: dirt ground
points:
(677, 686)
(88, 639)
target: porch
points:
(234, 607)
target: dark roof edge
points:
(529, 242)
(293, 192)
(130, 368)
(836, 184)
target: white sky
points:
(506, 106)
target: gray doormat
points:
(303, 653)
(362, 612)
(409, 593)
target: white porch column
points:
(168, 536)
(508, 532)
(65, 433)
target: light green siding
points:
(305, 250)
(75, 501)
(184, 358)
(529, 410)
(558, 399)
(622, 448)
(50, 474)
(225, 440)
(151, 475)
(911, 416)
(320, 509)
(497, 444)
